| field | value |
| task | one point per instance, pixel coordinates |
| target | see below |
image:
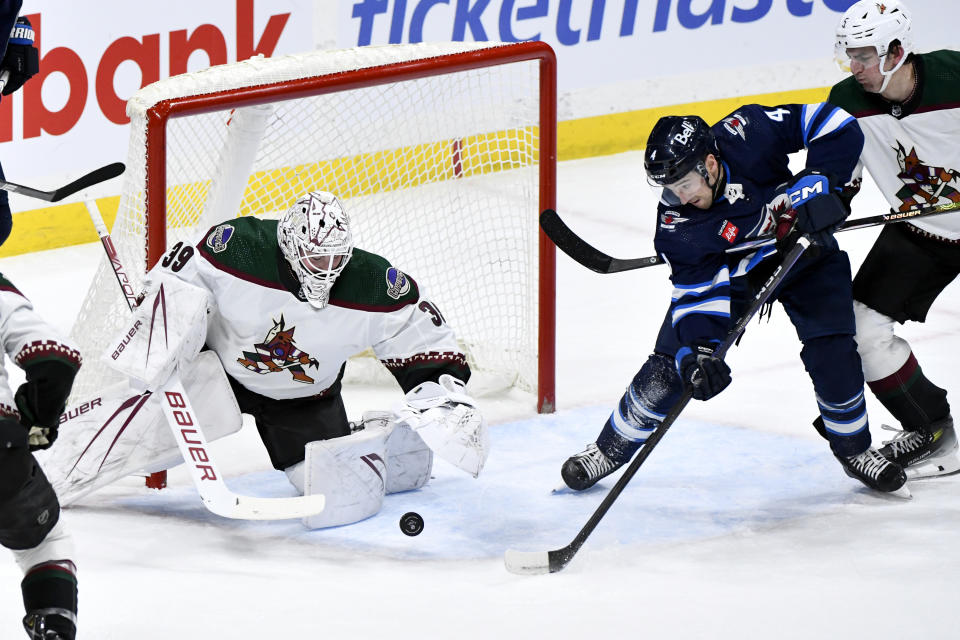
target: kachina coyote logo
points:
(277, 352)
(923, 185)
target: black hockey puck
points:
(411, 523)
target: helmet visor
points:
(680, 191)
(850, 60)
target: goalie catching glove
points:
(447, 419)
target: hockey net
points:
(443, 155)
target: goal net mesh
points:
(439, 174)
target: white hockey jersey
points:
(912, 151)
(274, 343)
(27, 339)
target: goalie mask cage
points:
(442, 154)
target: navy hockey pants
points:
(817, 297)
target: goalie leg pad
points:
(121, 432)
(350, 472)
(409, 459)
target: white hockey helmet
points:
(874, 23)
(314, 235)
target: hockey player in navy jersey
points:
(722, 186)
(19, 61)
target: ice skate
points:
(926, 453)
(50, 624)
(875, 471)
(584, 469)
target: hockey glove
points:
(42, 398)
(819, 210)
(12, 434)
(21, 60)
(699, 368)
(785, 221)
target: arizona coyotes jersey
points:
(912, 150)
(274, 343)
(27, 339)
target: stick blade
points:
(240, 507)
(94, 177)
(528, 563)
(572, 244)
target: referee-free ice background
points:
(741, 524)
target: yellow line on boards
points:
(69, 224)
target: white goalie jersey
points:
(271, 341)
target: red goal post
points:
(332, 127)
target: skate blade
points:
(902, 493)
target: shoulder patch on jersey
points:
(397, 283)
(252, 252)
(669, 220)
(371, 283)
(735, 124)
(219, 237)
(728, 231)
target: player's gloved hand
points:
(21, 61)
(42, 398)
(785, 222)
(819, 209)
(699, 368)
(12, 434)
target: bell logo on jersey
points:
(729, 231)
(218, 239)
(397, 283)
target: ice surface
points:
(740, 525)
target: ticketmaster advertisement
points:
(614, 56)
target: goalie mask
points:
(314, 235)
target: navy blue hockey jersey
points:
(754, 143)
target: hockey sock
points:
(910, 397)
(50, 597)
(615, 446)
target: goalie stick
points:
(94, 177)
(180, 416)
(537, 562)
(595, 260)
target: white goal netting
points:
(439, 173)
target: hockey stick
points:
(537, 562)
(179, 413)
(94, 177)
(595, 260)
